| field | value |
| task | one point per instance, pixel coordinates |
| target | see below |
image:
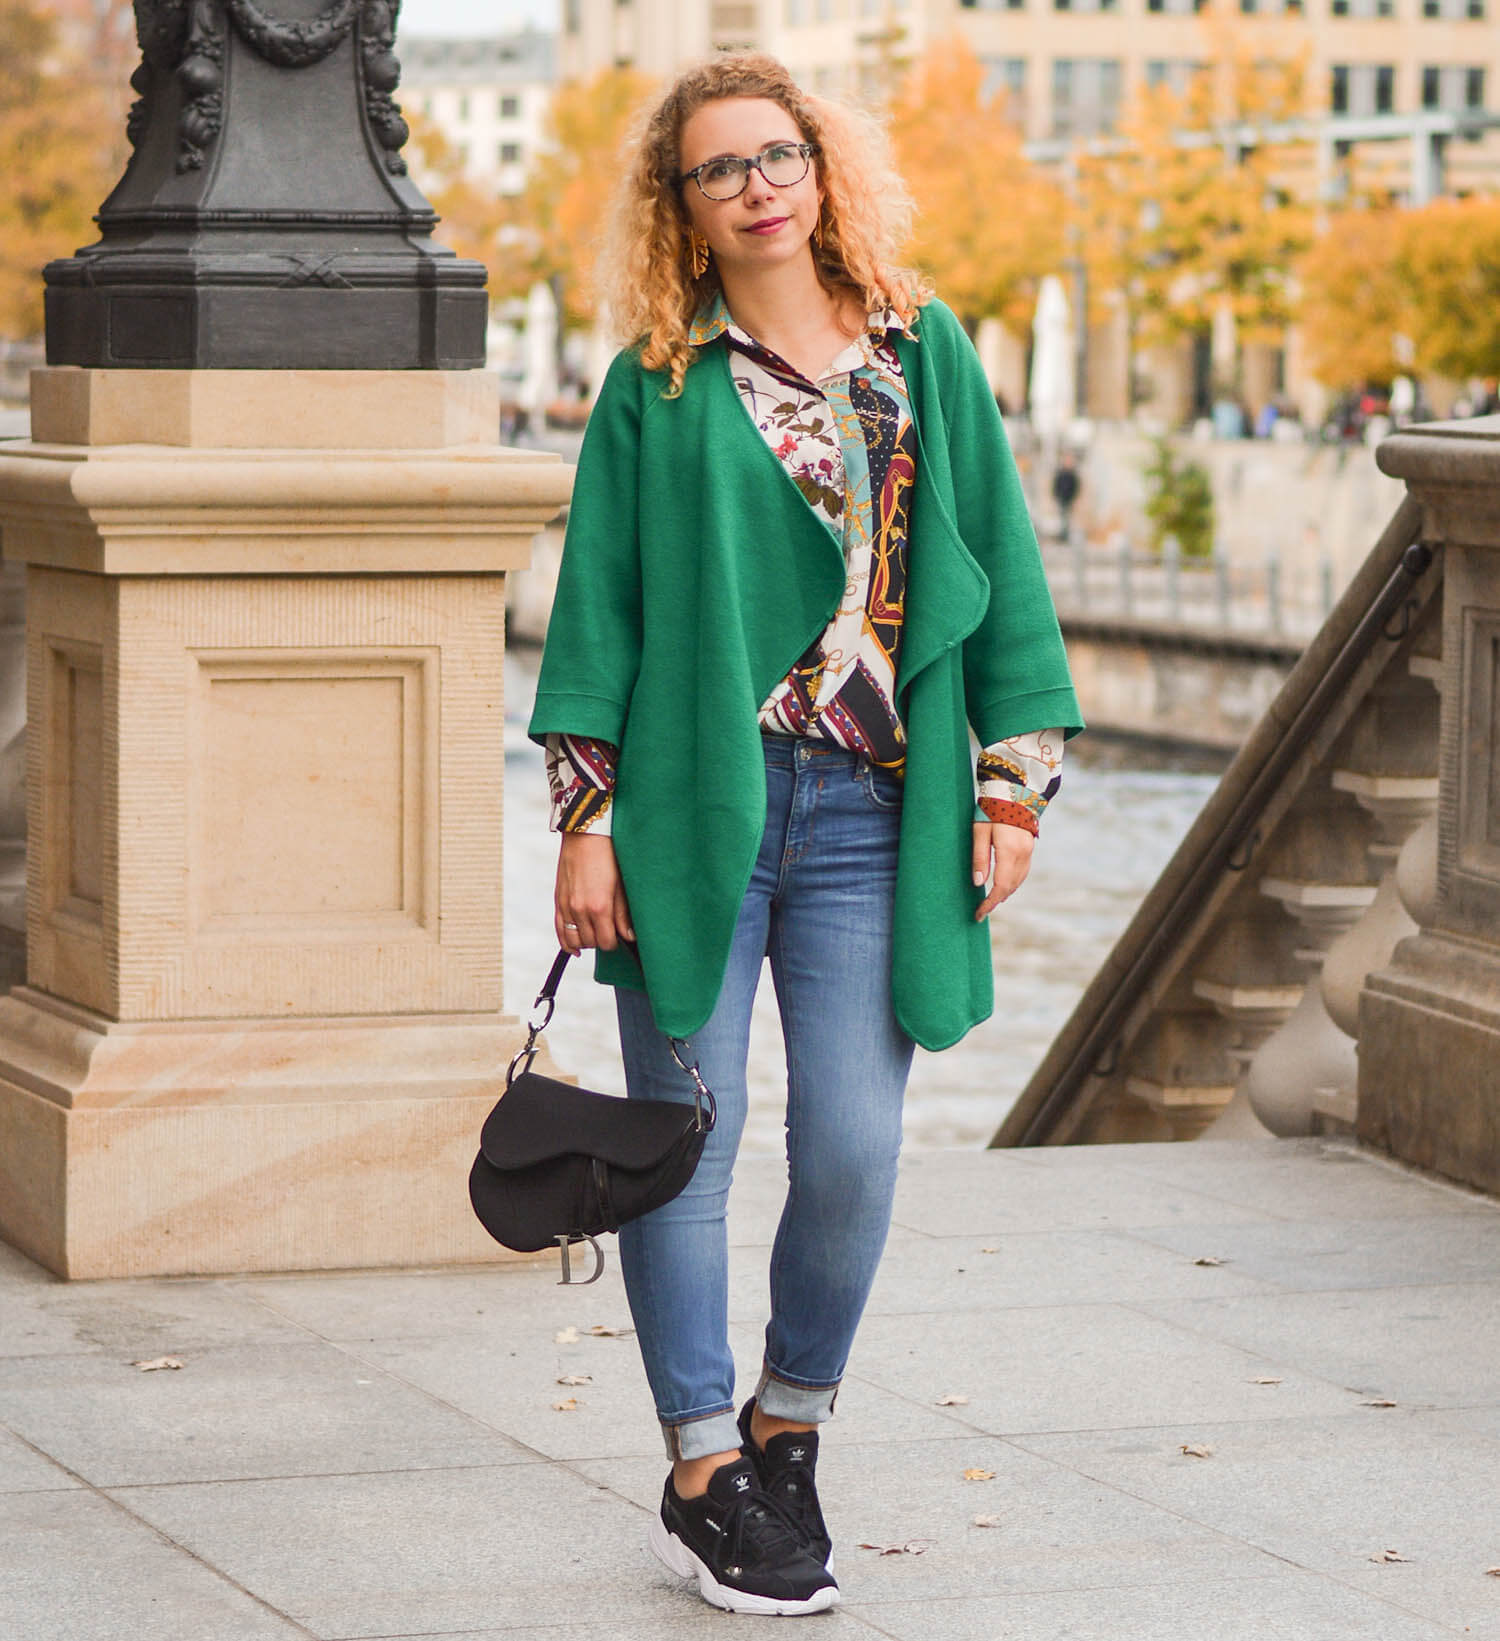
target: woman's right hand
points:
(589, 907)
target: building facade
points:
(488, 96)
(1066, 69)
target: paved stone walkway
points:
(380, 1456)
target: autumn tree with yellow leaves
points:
(1416, 290)
(989, 224)
(62, 147)
(562, 212)
(474, 221)
(1186, 216)
(552, 229)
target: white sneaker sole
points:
(671, 1550)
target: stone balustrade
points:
(1323, 952)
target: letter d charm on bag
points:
(566, 1280)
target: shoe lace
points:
(758, 1529)
(793, 1489)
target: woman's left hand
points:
(1002, 858)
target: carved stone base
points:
(265, 761)
(1429, 1059)
(233, 1145)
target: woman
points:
(797, 567)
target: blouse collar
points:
(714, 319)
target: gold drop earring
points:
(698, 254)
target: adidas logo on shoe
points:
(797, 1455)
(742, 1484)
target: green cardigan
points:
(694, 575)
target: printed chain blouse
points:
(848, 444)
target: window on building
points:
(1005, 80)
(1085, 95)
(1454, 10)
(572, 16)
(510, 153)
(1363, 8)
(1270, 8)
(1175, 7)
(1385, 89)
(1452, 89)
(823, 10)
(463, 108)
(1175, 73)
(1085, 5)
(510, 108)
(795, 13)
(1362, 88)
(994, 5)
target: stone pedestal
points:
(1429, 1039)
(262, 1017)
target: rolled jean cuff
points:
(696, 1438)
(778, 1398)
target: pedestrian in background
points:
(798, 568)
(1065, 487)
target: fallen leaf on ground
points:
(568, 1336)
(1388, 1555)
(989, 1521)
(1492, 1572)
(576, 1379)
(1378, 1401)
(951, 1400)
(1210, 1259)
(989, 1250)
(599, 1331)
(570, 1405)
(912, 1547)
(979, 1475)
(1196, 1450)
(1265, 1381)
(156, 1363)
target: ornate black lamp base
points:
(266, 220)
(141, 320)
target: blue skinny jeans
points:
(819, 905)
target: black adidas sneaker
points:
(788, 1471)
(739, 1544)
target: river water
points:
(1105, 838)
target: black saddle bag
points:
(558, 1164)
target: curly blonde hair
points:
(645, 272)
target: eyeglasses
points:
(781, 164)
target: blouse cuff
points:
(1018, 778)
(581, 781)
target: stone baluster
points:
(1309, 1051)
(1253, 983)
(1180, 1072)
(1395, 781)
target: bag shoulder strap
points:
(541, 1016)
